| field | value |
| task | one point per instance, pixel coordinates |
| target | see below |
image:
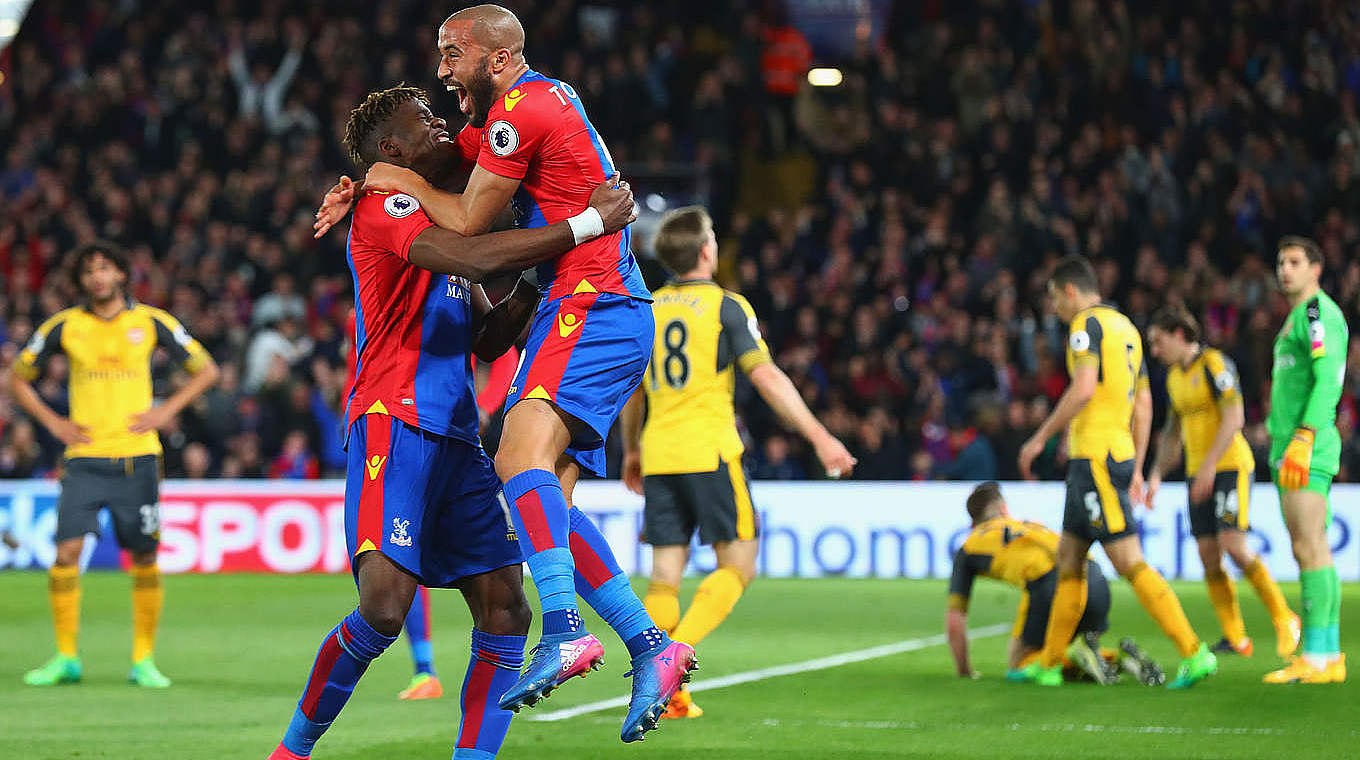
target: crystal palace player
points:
(586, 352)
(422, 503)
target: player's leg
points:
(424, 681)
(1069, 598)
(602, 583)
(659, 665)
(387, 484)
(726, 517)
(1164, 607)
(77, 514)
(385, 592)
(134, 504)
(1207, 520)
(1288, 626)
(668, 525)
(1232, 536)
(500, 626)
(534, 437)
(662, 599)
(63, 593)
(1306, 515)
(1223, 596)
(1085, 651)
(1154, 593)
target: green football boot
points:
(145, 674)
(1195, 668)
(59, 669)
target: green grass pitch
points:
(238, 648)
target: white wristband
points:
(586, 225)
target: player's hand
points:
(613, 198)
(336, 205)
(1298, 459)
(632, 471)
(1203, 486)
(155, 418)
(385, 176)
(1137, 488)
(1028, 453)
(835, 458)
(68, 432)
(1154, 484)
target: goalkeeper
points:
(1305, 451)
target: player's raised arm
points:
(468, 213)
(439, 250)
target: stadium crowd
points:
(965, 152)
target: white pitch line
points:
(775, 671)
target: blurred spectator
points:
(894, 238)
(774, 462)
(295, 461)
(19, 451)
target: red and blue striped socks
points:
(539, 510)
(601, 582)
(493, 668)
(341, 661)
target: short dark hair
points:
(1310, 247)
(1174, 317)
(361, 131)
(982, 498)
(81, 254)
(1078, 272)
(682, 233)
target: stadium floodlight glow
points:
(11, 14)
(824, 77)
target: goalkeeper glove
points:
(1298, 458)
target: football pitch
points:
(238, 648)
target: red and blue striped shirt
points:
(413, 328)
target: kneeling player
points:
(1206, 416)
(1109, 408)
(1022, 554)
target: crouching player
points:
(1022, 554)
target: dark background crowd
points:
(893, 232)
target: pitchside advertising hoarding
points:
(881, 530)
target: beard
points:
(481, 91)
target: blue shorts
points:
(586, 354)
(431, 504)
